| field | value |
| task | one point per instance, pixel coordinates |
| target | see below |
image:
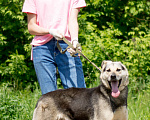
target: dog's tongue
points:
(115, 92)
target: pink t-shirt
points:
(51, 14)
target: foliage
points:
(118, 32)
(14, 43)
(114, 32)
(16, 69)
(134, 53)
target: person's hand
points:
(56, 34)
(75, 44)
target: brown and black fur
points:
(82, 104)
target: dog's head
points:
(114, 76)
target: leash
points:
(78, 51)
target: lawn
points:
(19, 105)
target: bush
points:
(118, 32)
(133, 53)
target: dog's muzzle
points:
(115, 81)
(114, 85)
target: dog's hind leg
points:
(39, 111)
(62, 117)
(48, 112)
(44, 112)
(34, 114)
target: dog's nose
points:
(113, 76)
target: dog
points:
(108, 101)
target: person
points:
(50, 21)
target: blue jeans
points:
(47, 57)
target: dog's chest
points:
(102, 110)
(107, 114)
(108, 109)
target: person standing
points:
(50, 21)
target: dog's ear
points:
(123, 67)
(127, 74)
(105, 62)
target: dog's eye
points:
(118, 70)
(108, 70)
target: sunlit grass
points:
(139, 105)
(19, 105)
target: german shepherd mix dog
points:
(108, 101)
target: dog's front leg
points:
(121, 113)
(104, 114)
(61, 116)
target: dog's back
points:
(67, 104)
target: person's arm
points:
(73, 26)
(34, 29)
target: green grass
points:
(19, 105)
(139, 105)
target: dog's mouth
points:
(114, 85)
